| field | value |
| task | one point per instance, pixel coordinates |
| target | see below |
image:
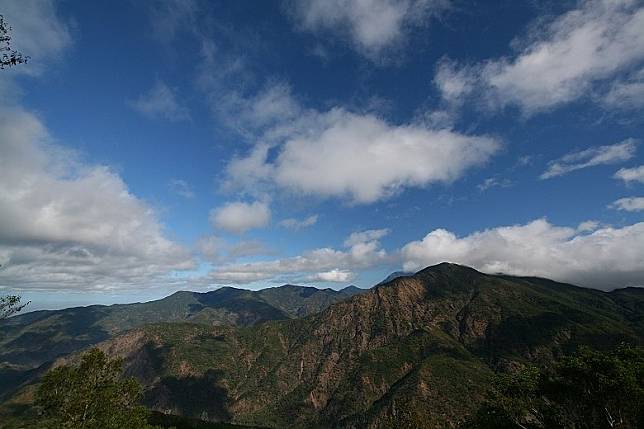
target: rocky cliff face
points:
(418, 351)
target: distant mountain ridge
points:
(30, 340)
(418, 351)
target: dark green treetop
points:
(92, 395)
(590, 389)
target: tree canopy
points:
(10, 305)
(590, 389)
(92, 395)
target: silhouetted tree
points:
(8, 57)
(93, 395)
(10, 305)
(591, 389)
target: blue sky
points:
(154, 146)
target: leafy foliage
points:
(92, 395)
(590, 389)
(10, 304)
(8, 57)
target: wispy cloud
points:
(161, 102)
(601, 155)
(635, 174)
(631, 204)
(181, 188)
(362, 250)
(371, 26)
(494, 182)
(627, 93)
(297, 224)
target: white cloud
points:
(635, 174)
(587, 226)
(37, 31)
(161, 102)
(601, 155)
(356, 156)
(71, 226)
(296, 224)
(371, 25)
(337, 276)
(605, 258)
(369, 235)
(632, 204)
(181, 188)
(494, 182)
(559, 60)
(627, 93)
(362, 251)
(239, 217)
(366, 159)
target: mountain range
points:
(419, 350)
(30, 340)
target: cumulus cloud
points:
(361, 157)
(297, 224)
(337, 276)
(604, 258)
(239, 217)
(38, 31)
(635, 174)
(558, 61)
(361, 251)
(67, 225)
(632, 204)
(372, 26)
(181, 188)
(161, 102)
(601, 155)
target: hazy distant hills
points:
(418, 351)
(28, 341)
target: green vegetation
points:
(590, 389)
(93, 395)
